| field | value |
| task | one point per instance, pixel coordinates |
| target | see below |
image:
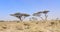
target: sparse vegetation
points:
(52, 23)
(30, 26)
(4, 27)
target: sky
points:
(8, 7)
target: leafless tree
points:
(45, 12)
(20, 15)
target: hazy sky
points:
(28, 6)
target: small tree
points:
(20, 15)
(45, 12)
(38, 14)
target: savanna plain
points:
(30, 26)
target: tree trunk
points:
(45, 17)
(20, 18)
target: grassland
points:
(30, 26)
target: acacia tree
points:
(45, 12)
(38, 14)
(20, 15)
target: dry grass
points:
(30, 26)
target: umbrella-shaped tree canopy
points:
(20, 15)
(45, 12)
(16, 14)
(24, 14)
(37, 14)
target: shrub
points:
(4, 27)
